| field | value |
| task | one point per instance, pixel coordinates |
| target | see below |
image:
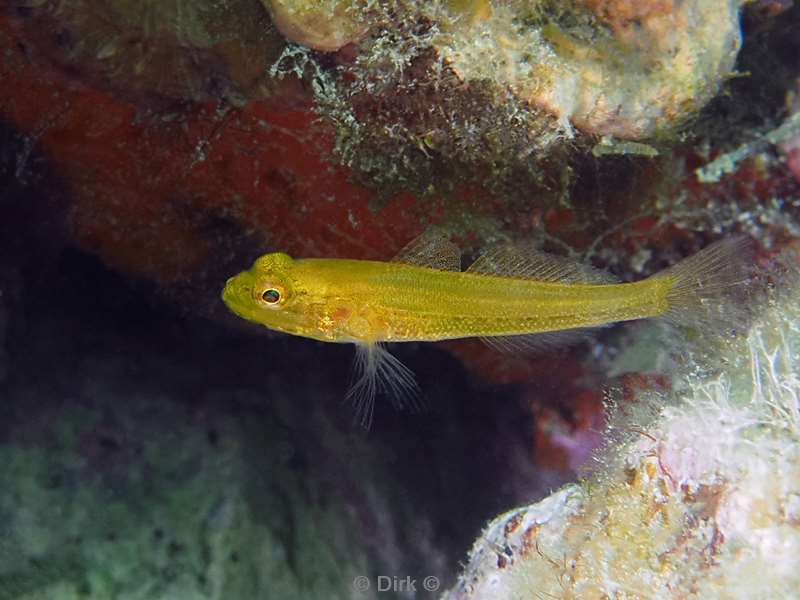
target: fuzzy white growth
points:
(375, 371)
(698, 497)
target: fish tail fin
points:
(376, 371)
(709, 289)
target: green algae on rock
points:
(133, 494)
(107, 511)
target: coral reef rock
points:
(505, 85)
(624, 69)
(145, 504)
(170, 49)
(324, 26)
(698, 496)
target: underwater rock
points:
(165, 49)
(631, 70)
(205, 182)
(698, 494)
(323, 26)
(786, 137)
(169, 195)
(498, 91)
(790, 147)
(120, 482)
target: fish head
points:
(269, 293)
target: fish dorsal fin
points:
(526, 263)
(432, 249)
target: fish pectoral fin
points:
(376, 370)
(527, 263)
(536, 343)
(432, 249)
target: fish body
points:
(341, 300)
(508, 297)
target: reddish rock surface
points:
(146, 187)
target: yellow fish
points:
(513, 299)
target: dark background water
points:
(106, 380)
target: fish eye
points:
(271, 296)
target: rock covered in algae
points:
(169, 48)
(622, 68)
(125, 506)
(323, 25)
(699, 496)
(426, 94)
(504, 86)
(116, 485)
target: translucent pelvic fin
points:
(376, 370)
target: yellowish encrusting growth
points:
(438, 91)
(626, 69)
(699, 496)
(320, 24)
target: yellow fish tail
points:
(708, 289)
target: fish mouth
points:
(235, 292)
(227, 291)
